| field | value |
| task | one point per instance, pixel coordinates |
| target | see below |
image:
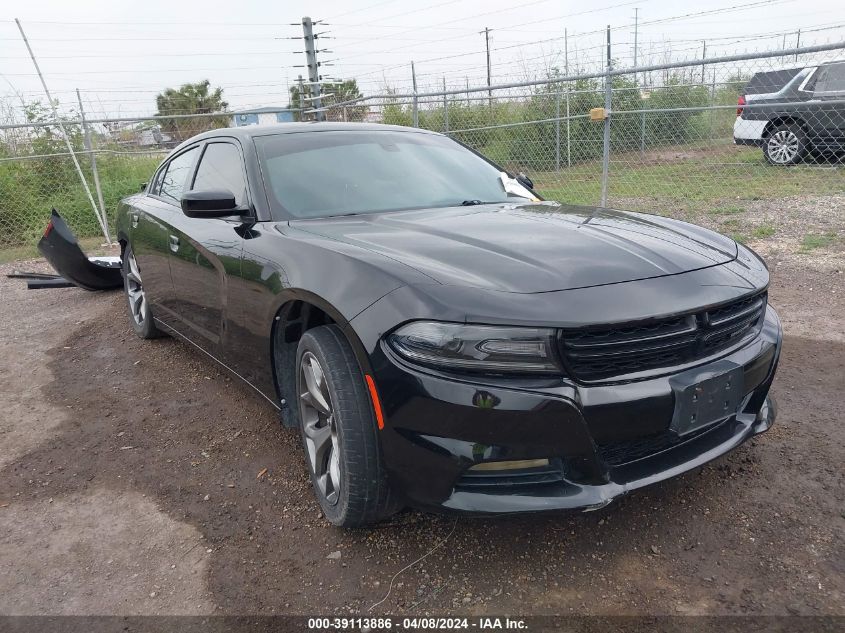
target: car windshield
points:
(320, 174)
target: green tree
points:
(196, 98)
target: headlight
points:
(482, 348)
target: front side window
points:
(221, 168)
(831, 79)
(176, 175)
(321, 174)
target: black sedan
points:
(441, 336)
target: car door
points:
(149, 221)
(151, 236)
(828, 97)
(205, 253)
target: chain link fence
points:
(671, 138)
(116, 157)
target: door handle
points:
(134, 218)
(174, 243)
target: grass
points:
(727, 210)
(812, 241)
(763, 231)
(89, 245)
(694, 184)
(30, 188)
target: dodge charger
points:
(442, 336)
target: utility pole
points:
(86, 139)
(486, 32)
(313, 67)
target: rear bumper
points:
(749, 132)
(602, 441)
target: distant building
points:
(262, 116)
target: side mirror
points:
(524, 180)
(209, 203)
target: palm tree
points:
(196, 98)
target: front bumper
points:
(602, 440)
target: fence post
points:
(557, 127)
(415, 114)
(566, 72)
(86, 139)
(445, 109)
(605, 157)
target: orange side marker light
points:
(371, 385)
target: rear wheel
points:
(786, 145)
(140, 314)
(339, 430)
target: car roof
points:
(247, 132)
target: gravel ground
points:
(135, 483)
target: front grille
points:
(632, 450)
(612, 351)
(511, 481)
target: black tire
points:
(363, 494)
(786, 144)
(140, 313)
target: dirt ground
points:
(132, 484)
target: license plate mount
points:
(703, 398)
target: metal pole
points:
(797, 43)
(566, 72)
(301, 98)
(557, 128)
(88, 146)
(486, 32)
(415, 107)
(703, 57)
(636, 61)
(313, 67)
(605, 159)
(445, 109)
(100, 219)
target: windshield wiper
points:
(472, 203)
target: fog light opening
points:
(518, 464)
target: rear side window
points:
(764, 83)
(831, 78)
(221, 168)
(176, 175)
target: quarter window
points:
(832, 79)
(176, 175)
(221, 168)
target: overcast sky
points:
(120, 54)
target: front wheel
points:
(786, 145)
(339, 430)
(140, 314)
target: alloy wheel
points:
(135, 291)
(783, 146)
(320, 427)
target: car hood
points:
(532, 247)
